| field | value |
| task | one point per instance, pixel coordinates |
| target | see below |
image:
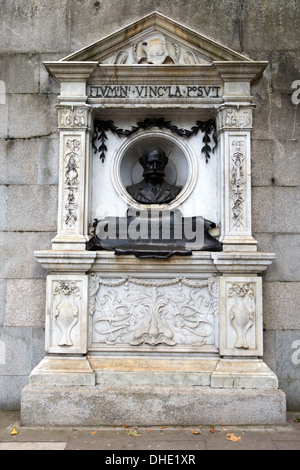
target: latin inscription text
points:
(155, 91)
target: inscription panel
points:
(159, 314)
(155, 92)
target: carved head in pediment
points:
(153, 50)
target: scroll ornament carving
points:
(242, 311)
(237, 184)
(66, 310)
(71, 181)
(170, 312)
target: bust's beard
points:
(153, 177)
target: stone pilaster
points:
(74, 128)
(234, 124)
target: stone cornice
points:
(224, 71)
(200, 262)
(70, 71)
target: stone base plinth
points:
(147, 391)
(146, 405)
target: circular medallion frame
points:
(182, 168)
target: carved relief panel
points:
(241, 316)
(71, 182)
(136, 314)
(238, 183)
(157, 48)
(66, 322)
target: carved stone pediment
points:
(156, 39)
(155, 57)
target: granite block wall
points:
(38, 30)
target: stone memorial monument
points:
(154, 285)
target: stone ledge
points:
(240, 262)
(150, 406)
(243, 374)
(62, 371)
(65, 261)
(149, 371)
(106, 371)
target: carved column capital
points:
(232, 117)
(74, 117)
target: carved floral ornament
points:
(241, 290)
(67, 288)
(135, 312)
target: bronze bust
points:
(153, 189)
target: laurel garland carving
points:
(102, 127)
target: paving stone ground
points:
(182, 443)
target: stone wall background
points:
(33, 31)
